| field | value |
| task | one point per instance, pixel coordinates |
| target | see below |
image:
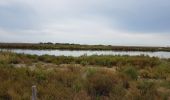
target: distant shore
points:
(66, 46)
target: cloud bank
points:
(114, 22)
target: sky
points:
(110, 22)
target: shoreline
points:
(64, 46)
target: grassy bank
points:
(84, 78)
(62, 46)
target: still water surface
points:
(76, 53)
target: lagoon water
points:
(76, 53)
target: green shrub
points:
(147, 90)
(40, 76)
(100, 84)
(131, 72)
(118, 92)
(78, 85)
(84, 63)
(91, 71)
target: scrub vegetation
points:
(84, 78)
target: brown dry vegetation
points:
(84, 78)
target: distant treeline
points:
(67, 46)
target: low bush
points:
(100, 83)
(131, 72)
(147, 90)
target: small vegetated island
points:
(96, 77)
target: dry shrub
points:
(100, 83)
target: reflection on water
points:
(160, 54)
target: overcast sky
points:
(113, 22)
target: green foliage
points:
(131, 72)
(84, 63)
(40, 76)
(103, 60)
(78, 86)
(100, 83)
(91, 71)
(147, 90)
(118, 92)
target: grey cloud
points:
(17, 17)
(87, 18)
